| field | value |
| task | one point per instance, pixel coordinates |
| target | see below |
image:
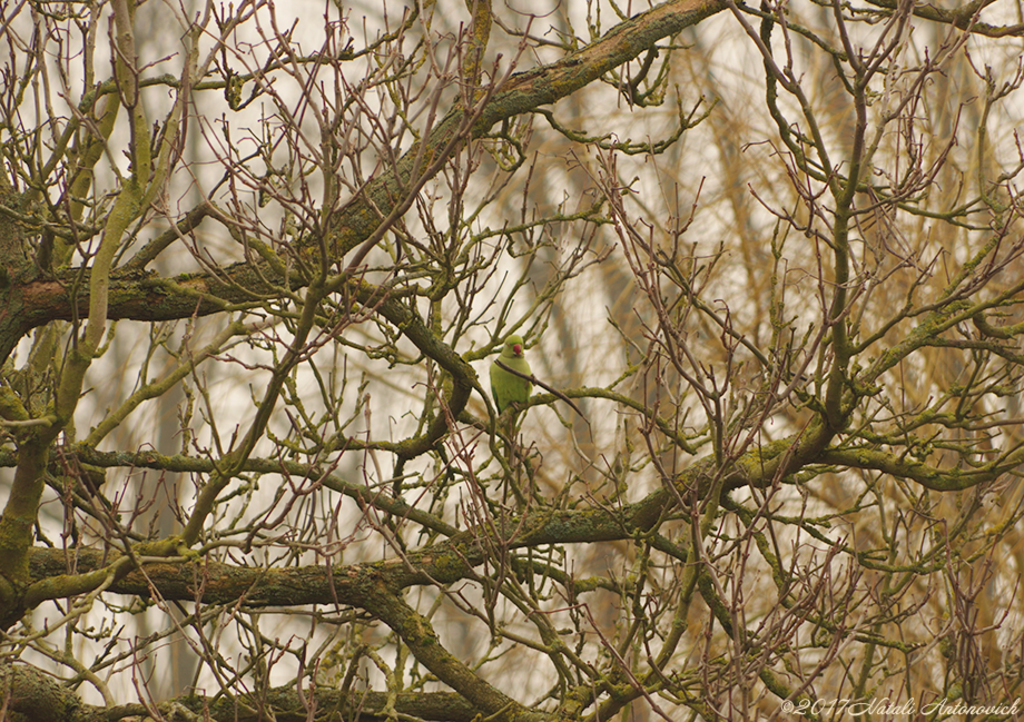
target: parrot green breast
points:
(507, 387)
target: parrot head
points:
(513, 346)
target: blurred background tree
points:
(256, 260)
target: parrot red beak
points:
(517, 349)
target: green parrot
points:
(506, 386)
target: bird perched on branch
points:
(507, 386)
